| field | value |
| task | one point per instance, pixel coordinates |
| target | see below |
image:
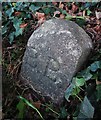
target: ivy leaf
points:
(21, 108)
(18, 32)
(34, 8)
(86, 110)
(87, 5)
(40, 4)
(68, 17)
(75, 114)
(5, 27)
(52, 11)
(90, 89)
(63, 112)
(86, 74)
(79, 81)
(4, 30)
(17, 22)
(88, 12)
(76, 91)
(98, 88)
(46, 10)
(20, 6)
(0, 15)
(11, 37)
(30, 105)
(69, 90)
(80, 21)
(94, 66)
(64, 12)
(9, 11)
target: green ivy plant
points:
(86, 109)
(80, 83)
(21, 107)
(16, 13)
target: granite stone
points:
(55, 52)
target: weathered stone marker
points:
(54, 53)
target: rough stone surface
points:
(54, 53)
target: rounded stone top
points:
(54, 53)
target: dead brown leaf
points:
(54, 3)
(23, 25)
(62, 16)
(66, 8)
(98, 14)
(17, 13)
(37, 104)
(80, 14)
(42, 20)
(74, 8)
(98, 82)
(10, 68)
(39, 15)
(61, 5)
(97, 28)
(56, 13)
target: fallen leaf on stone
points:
(42, 20)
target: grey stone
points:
(54, 53)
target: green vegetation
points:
(83, 95)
